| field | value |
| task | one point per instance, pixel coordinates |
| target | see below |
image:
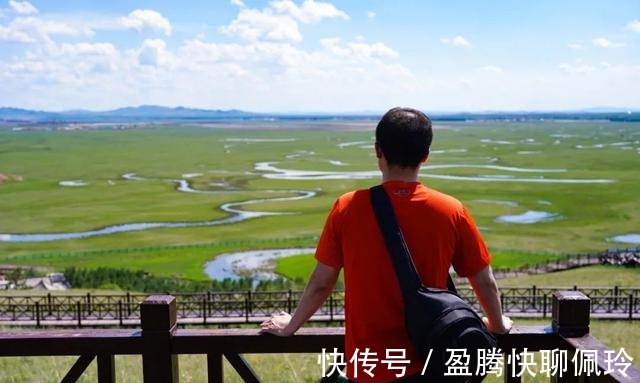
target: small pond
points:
(626, 238)
(528, 217)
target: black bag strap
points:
(396, 245)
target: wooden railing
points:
(159, 341)
(227, 308)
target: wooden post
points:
(511, 370)
(215, 372)
(570, 313)
(106, 368)
(158, 319)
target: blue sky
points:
(317, 56)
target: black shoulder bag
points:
(435, 319)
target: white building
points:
(53, 281)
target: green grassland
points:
(286, 368)
(591, 276)
(37, 204)
(300, 266)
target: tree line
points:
(141, 281)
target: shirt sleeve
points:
(471, 254)
(329, 250)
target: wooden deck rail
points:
(159, 341)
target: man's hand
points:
(499, 328)
(321, 282)
(277, 324)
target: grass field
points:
(591, 276)
(286, 368)
(300, 266)
(589, 212)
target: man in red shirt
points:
(439, 232)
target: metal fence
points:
(253, 306)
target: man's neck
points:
(400, 174)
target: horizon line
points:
(587, 110)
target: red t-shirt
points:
(439, 233)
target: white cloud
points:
(154, 53)
(357, 50)
(460, 42)
(491, 69)
(634, 26)
(577, 68)
(22, 7)
(33, 29)
(371, 14)
(53, 69)
(279, 20)
(378, 50)
(575, 46)
(238, 3)
(311, 11)
(89, 49)
(12, 35)
(141, 19)
(603, 42)
(256, 75)
(457, 41)
(254, 25)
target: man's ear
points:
(425, 158)
(378, 150)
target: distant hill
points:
(130, 114)
(15, 114)
(152, 113)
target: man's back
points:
(439, 233)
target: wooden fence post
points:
(106, 368)
(158, 319)
(570, 313)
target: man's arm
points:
(486, 290)
(320, 285)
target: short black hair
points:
(404, 135)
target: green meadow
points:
(491, 160)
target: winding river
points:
(271, 171)
(235, 215)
